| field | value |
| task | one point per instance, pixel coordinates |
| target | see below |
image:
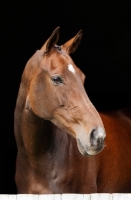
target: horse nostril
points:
(97, 136)
(92, 136)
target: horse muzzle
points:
(94, 143)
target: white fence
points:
(105, 196)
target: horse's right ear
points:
(52, 40)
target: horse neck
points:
(35, 136)
(29, 129)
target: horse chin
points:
(90, 151)
(95, 150)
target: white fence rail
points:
(103, 196)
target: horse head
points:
(55, 92)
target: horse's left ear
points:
(73, 43)
(52, 40)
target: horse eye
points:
(56, 80)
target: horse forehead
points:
(61, 61)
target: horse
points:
(64, 144)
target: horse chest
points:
(57, 177)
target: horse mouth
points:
(89, 151)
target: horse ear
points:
(73, 43)
(52, 40)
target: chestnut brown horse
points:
(59, 132)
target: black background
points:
(103, 55)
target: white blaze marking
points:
(71, 68)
